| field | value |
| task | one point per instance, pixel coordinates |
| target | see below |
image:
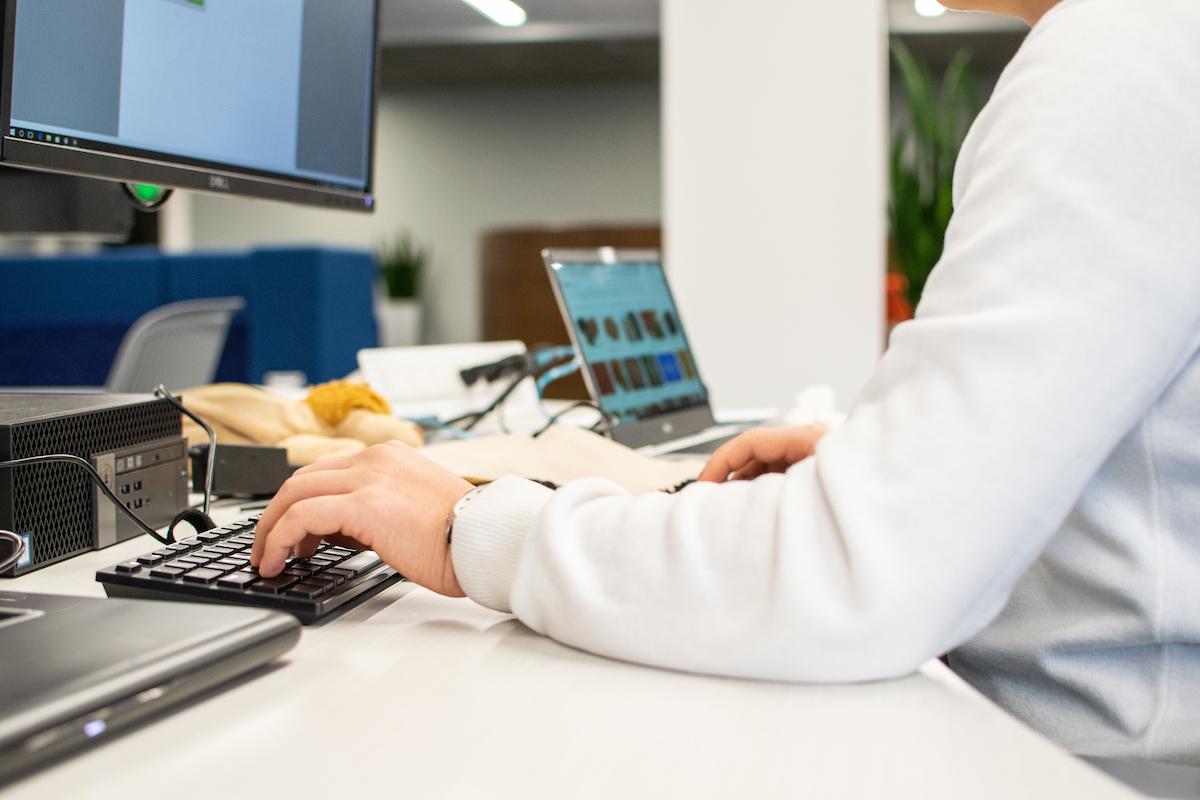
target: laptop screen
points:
(627, 328)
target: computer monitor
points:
(267, 98)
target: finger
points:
(300, 487)
(333, 462)
(763, 445)
(342, 540)
(730, 456)
(307, 548)
(314, 518)
(749, 472)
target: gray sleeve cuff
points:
(489, 535)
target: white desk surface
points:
(415, 695)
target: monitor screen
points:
(627, 329)
(273, 98)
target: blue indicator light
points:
(95, 728)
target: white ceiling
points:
(454, 22)
(903, 18)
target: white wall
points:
(774, 190)
(454, 163)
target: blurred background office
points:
(752, 141)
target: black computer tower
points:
(134, 441)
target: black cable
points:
(18, 550)
(606, 417)
(522, 366)
(63, 458)
(211, 468)
(494, 371)
(476, 417)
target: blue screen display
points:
(279, 87)
(634, 347)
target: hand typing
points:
(387, 498)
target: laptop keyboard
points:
(215, 567)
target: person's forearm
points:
(1044, 336)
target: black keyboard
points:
(215, 567)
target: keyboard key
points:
(307, 590)
(243, 538)
(165, 552)
(340, 552)
(168, 573)
(223, 566)
(184, 565)
(128, 567)
(190, 541)
(151, 559)
(209, 553)
(238, 558)
(196, 560)
(361, 563)
(325, 579)
(238, 580)
(341, 574)
(273, 585)
(223, 549)
(177, 548)
(201, 575)
(209, 536)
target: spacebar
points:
(363, 562)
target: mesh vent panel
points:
(56, 500)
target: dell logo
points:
(218, 182)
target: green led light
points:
(147, 193)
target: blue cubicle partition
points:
(307, 309)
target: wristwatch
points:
(457, 509)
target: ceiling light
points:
(926, 8)
(501, 12)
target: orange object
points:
(898, 307)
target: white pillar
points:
(176, 224)
(775, 158)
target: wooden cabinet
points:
(518, 302)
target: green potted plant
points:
(926, 140)
(402, 264)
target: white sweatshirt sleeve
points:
(1065, 303)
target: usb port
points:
(137, 503)
(137, 486)
(124, 488)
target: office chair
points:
(178, 345)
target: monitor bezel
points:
(178, 172)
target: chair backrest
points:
(178, 345)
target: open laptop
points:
(633, 351)
(74, 671)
